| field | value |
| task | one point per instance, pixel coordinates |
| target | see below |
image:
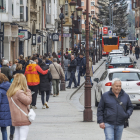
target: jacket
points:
(48, 62)
(125, 47)
(72, 67)
(66, 62)
(32, 75)
(78, 60)
(136, 50)
(5, 115)
(82, 67)
(110, 111)
(23, 100)
(54, 72)
(7, 71)
(18, 71)
(45, 79)
(22, 62)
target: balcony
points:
(6, 10)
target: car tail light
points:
(108, 84)
(138, 83)
(130, 66)
(110, 66)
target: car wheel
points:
(96, 102)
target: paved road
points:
(134, 120)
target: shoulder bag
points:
(31, 115)
(126, 123)
(58, 73)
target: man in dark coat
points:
(72, 69)
(111, 115)
(137, 52)
(125, 48)
(44, 85)
(21, 61)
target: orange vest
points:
(32, 75)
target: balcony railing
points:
(48, 18)
(2, 6)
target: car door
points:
(100, 85)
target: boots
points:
(11, 137)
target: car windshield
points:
(120, 60)
(130, 76)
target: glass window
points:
(21, 1)
(82, 3)
(92, 3)
(66, 7)
(103, 76)
(125, 76)
(92, 12)
(110, 41)
(121, 60)
(21, 13)
(3, 6)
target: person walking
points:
(67, 73)
(18, 69)
(6, 70)
(56, 71)
(114, 109)
(133, 50)
(130, 49)
(137, 52)
(22, 61)
(125, 48)
(44, 85)
(5, 117)
(13, 68)
(33, 79)
(72, 69)
(21, 95)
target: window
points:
(104, 75)
(21, 2)
(92, 3)
(66, 7)
(3, 6)
(21, 13)
(82, 3)
(83, 21)
(92, 12)
(49, 6)
(12, 9)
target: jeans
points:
(12, 130)
(34, 96)
(78, 79)
(50, 87)
(55, 83)
(113, 132)
(21, 132)
(4, 133)
(66, 76)
(72, 78)
(125, 51)
(47, 96)
(77, 69)
(137, 56)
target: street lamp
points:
(89, 16)
(79, 13)
(101, 25)
(87, 111)
(98, 24)
(61, 16)
(72, 7)
(94, 26)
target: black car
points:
(121, 62)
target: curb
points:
(83, 83)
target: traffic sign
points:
(114, 34)
(110, 32)
(105, 30)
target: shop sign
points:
(55, 36)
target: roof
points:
(122, 69)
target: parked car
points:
(121, 62)
(130, 83)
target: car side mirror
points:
(135, 62)
(96, 80)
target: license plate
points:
(132, 96)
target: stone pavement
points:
(62, 121)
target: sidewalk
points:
(62, 121)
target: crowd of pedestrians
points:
(22, 80)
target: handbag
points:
(31, 115)
(126, 122)
(58, 73)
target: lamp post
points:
(79, 13)
(96, 41)
(98, 22)
(101, 25)
(72, 7)
(87, 111)
(61, 16)
(89, 16)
